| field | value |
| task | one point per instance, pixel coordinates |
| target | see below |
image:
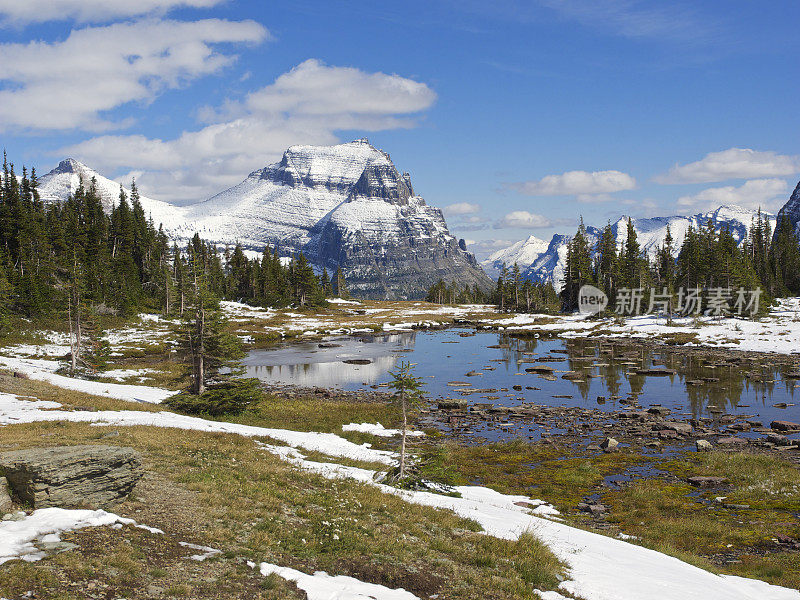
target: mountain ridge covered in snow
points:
(344, 206)
(548, 265)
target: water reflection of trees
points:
(721, 386)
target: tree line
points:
(709, 262)
(73, 253)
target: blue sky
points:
(514, 117)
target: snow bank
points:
(16, 410)
(18, 539)
(43, 370)
(378, 430)
(321, 586)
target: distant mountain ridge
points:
(548, 265)
(791, 209)
(342, 206)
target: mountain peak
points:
(70, 165)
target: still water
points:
(495, 361)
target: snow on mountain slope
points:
(549, 264)
(62, 181)
(523, 252)
(342, 206)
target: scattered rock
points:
(72, 476)
(785, 426)
(731, 441)
(778, 439)
(677, 426)
(451, 404)
(540, 369)
(659, 411)
(703, 446)
(594, 509)
(21, 375)
(704, 481)
(609, 445)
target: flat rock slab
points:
(703, 481)
(785, 426)
(72, 476)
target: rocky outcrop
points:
(72, 476)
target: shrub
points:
(227, 398)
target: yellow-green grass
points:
(675, 518)
(556, 475)
(220, 490)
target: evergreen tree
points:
(207, 345)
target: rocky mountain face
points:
(342, 206)
(549, 264)
(792, 209)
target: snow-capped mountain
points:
(62, 181)
(549, 264)
(343, 206)
(523, 252)
(792, 209)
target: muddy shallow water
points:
(483, 367)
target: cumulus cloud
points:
(89, 11)
(523, 219)
(577, 183)
(246, 135)
(768, 194)
(70, 84)
(734, 163)
(461, 208)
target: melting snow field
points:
(21, 538)
(321, 586)
(378, 430)
(600, 567)
(779, 332)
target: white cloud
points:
(734, 163)
(70, 84)
(577, 182)
(523, 219)
(258, 129)
(768, 194)
(19, 12)
(461, 208)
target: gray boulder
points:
(72, 476)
